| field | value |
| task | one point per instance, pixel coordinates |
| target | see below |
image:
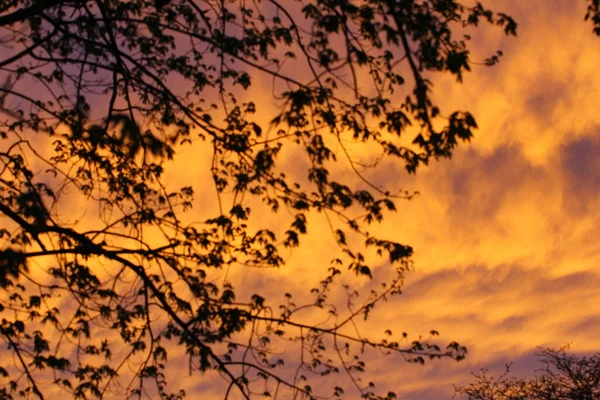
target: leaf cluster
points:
(99, 98)
(563, 376)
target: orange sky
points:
(505, 233)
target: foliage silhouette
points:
(562, 377)
(99, 96)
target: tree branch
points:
(37, 8)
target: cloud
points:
(580, 168)
(505, 233)
(502, 313)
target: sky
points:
(505, 233)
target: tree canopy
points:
(562, 377)
(98, 99)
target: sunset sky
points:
(506, 232)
